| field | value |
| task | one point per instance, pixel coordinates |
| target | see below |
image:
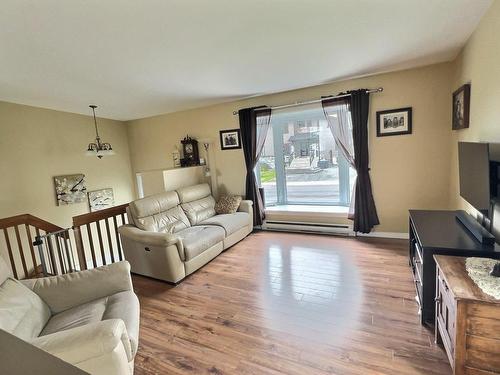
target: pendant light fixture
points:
(98, 148)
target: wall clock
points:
(190, 151)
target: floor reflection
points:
(310, 292)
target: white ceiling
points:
(141, 58)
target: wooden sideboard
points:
(467, 320)
(438, 232)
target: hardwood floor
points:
(281, 303)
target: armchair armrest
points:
(86, 342)
(66, 291)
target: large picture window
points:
(300, 163)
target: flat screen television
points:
(478, 173)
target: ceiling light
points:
(98, 148)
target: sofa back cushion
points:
(5, 271)
(22, 312)
(197, 202)
(159, 213)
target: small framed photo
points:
(230, 139)
(101, 199)
(394, 122)
(461, 108)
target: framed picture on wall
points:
(230, 139)
(101, 199)
(461, 108)
(70, 189)
(394, 122)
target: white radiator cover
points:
(333, 229)
(337, 229)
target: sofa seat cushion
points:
(230, 222)
(22, 312)
(200, 238)
(123, 305)
(87, 313)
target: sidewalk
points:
(305, 183)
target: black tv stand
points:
(438, 232)
(476, 229)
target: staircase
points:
(36, 248)
(303, 164)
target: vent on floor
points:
(286, 226)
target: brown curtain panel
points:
(365, 212)
(254, 124)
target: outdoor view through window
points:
(300, 162)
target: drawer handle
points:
(418, 252)
(444, 285)
(147, 249)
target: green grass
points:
(267, 176)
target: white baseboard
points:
(397, 235)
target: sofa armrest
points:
(247, 206)
(66, 291)
(148, 238)
(86, 342)
(153, 239)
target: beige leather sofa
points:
(89, 319)
(172, 234)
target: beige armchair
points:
(173, 234)
(89, 318)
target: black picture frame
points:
(386, 129)
(227, 137)
(460, 115)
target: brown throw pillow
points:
(228, 204)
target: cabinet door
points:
(445, 315)
(416, 262)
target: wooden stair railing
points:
(56, 253)
(24, 228)
(96, 241)
(104, 225)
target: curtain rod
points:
(370, 91)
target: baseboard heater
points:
(303, 227)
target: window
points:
(300, 162)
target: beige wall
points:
(478, 64)
(410, 171)
(37, 144)
(413, 171)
